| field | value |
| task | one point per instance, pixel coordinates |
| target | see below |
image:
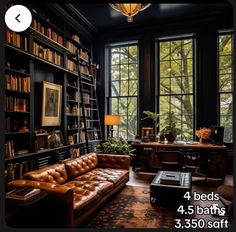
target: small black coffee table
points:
(170, 193)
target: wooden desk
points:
(213, 156)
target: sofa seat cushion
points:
(55, 173)
(87, 193)
(115, 176)
(80, 165)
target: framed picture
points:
(55, 139)
(146, 131)
(51, 107)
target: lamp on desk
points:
(110, 121)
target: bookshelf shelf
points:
(16, 72)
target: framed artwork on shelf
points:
(51, 106)
(146, 131)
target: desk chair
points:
(192, 162)
(226, 193)
(171, 160)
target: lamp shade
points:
(111, 120)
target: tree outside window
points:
(176, 83)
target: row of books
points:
(17, 83)
(9, 149)
(83, 55)
(15, 104)
(15, 171)
(47, 54)
(71, 65)
(16, 39)
(84, 70)
(47, 31)
(76, 38)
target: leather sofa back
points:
(81, 165)
(55, 173)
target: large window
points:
(225, 56)
(176, 86)
(124, 88)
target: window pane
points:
(164, 85)
(225, 44)
(165, 68)
(115, 72)
(114, 106)
(175, 68)
(115, 56)
(133, 71)
(176, 85)
(187, 83)
(124, 72)
(165, 51)
(133, 55)
(123, 106)
(225, 64)
(132, 126)
(124, 54)
(133, 85)
(115, 87)
(124, 88)
(226, 83)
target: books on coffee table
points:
(170, 178)
(23, 193)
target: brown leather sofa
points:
(77, 187)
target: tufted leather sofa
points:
(77, 187)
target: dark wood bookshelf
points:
(16, 71)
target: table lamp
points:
(111, 120)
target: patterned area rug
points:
(131, 208)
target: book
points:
(23, 193)
(170, 178)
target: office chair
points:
(171, 160)
(226, 193)
(192, 162)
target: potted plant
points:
(170, 131)
(115, 145)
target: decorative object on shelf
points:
(41, 140)
(146, 132)
(111, 120)
(129, 9)
(116, 145)
(55, 139)
(203, 134)
(170, 131)
(51, 107)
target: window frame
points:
(191, 36)
(108, 95)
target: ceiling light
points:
(129, 9)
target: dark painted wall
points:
(205, 30)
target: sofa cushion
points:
(115, 176)
(80, 165)
(87, 193)
(55, 173)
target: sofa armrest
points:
(113, 161)
(60, 195)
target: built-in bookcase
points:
(49, 50)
